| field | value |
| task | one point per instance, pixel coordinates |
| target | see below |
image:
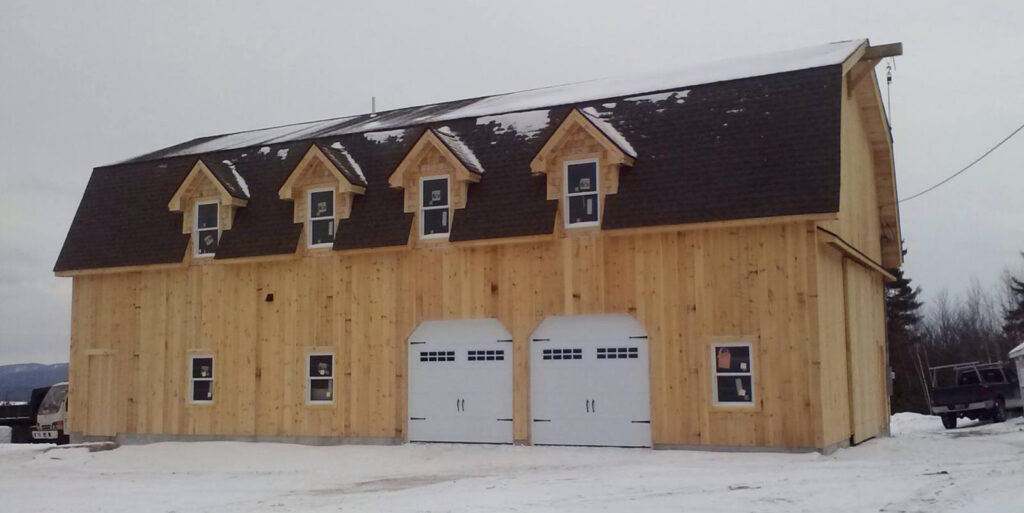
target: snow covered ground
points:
(921, 468)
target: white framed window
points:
(207, 228)
(319, 378)
(582, 201)
(435, 216)
(321, 218)
(732, 376)
(200, 379)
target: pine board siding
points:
(687, 288)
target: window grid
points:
(611, 353)
(486, 355)
(594, 192)
(437, 356)
(319, 214)
(444, 208)
(206, 236)
(200, 379)
(742, 379)
(563, 354)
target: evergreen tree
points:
(902, 324)
(1013, 313)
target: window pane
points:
(582, 177)
(435, 221)
(321, 365)
(583, 209)
(733, 359)
(321, 204)
(435, 192)
(202, 368)
(735, 389)
(321, 389)
(206, 215)
(323, 231)
(202, 390)
(207, 241)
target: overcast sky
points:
(89, 83)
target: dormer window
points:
(581, 193)
(434, 211)
(207, 229)
(321, 218)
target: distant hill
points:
(18, 380)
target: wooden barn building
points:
(686, 259)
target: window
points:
(201, 379)
(321, 218)
(486, 355)
(320, 378)
(207, 228)
(733, 376)
(581, 196)
(563, 354)
(611, 353)
(437, 356)
(434, 216)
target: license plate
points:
(44, 435)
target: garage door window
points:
(733, 371)
(610, 353)
(320, 378)
(437, 356)
(200, 379)
(563, 354)
(486, 355)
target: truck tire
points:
(999, 411)
(949, 420)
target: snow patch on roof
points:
(460, 149)
(527, 124)
(545, 97)
(264, 150)
(609, 105)
(681, 96)
(238, 178)
(653, 98)
(283, 153)
(382, 137)
(737, 110)
(351, 161)
(607, 129)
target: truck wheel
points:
(949, 421)
(999, 412)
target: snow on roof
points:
(460, 149)
(238, 177)
(351, 161)
(382, 137)
(1017, 352)
(608, 130)
(533, 99)
(527, 123)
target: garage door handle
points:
(463, 404)
(587, 402)
(593, 406)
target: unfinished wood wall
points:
(687, 288)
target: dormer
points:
(435, 176)
(322, 187)
(582, 160)
(208, 198)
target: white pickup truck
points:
(52, 414)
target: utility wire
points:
(954, 175)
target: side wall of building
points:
(852, 297)
(132, 333)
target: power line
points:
(968, 166)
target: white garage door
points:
(589, 382)
(460, 382)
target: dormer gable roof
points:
(232, 188)
(618, 149)
(444, 140)
(337, 162)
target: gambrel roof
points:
(744, 139)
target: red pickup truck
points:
(974, 390)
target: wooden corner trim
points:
(848, 250)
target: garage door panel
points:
(589, 382)
(460, 382)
